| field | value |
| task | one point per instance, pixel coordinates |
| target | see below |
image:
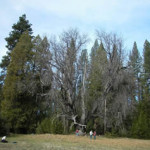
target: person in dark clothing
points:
(94, 134)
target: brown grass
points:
(72, 142)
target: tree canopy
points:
(57, 85)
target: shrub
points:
(3, 127)
(90, 125)
(44, 127)
(57, 127)
(50, 125)
(140, 127)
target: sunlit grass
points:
(71, 142)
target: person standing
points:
(77, 132)
(94, 134)
(91, 134)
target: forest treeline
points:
(54, 85)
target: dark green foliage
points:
(96, 124)
(135, 60)
(3, 127)
(135, 67)
(18, 29)
(44, 126)
(50, 125)
(99, 126)
(147, 56)
(42, 76)
(57, 127)
(19, 67)
(90, 125)
(18, 106)
(98, 62)
(94, 49)
(141, 123)
(5, 62)
(95, 72)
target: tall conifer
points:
(18, 106)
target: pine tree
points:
(98, 62)
(146, 78)
(94, 49)
(42, 75)
(141, 123)
(18, 29)
(95, 87)
(146, 57)
(18, 106)
(135, 60)
(135, 63)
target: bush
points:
(140, 127)
(57, 127)
(123, 132)
(99, 126)
(50, 125)
(141, 123)
(89, 126)
(111, 134)
(4, 129)
(44, 127)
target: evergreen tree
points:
(135, 60)
(94, 49)
(18, 106)
(146, 57)
(18, 29)
(146, 75)
(141, 123)
(42, 75)
(98, 62)
(95, 84)
(135, 63)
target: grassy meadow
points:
(71, 142)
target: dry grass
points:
(72, 142)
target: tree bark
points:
(83, 97)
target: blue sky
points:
(129, 18)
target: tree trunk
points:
(83, 97)
(105, 113)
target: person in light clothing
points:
(91, 134)
(4, 139)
